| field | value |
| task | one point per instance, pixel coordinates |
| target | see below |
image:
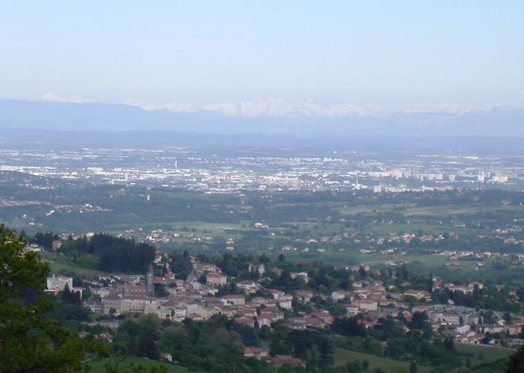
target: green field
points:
(98, 366)
(488, 353)
(61, 264)
(345, 356)
(411, 209)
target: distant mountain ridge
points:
(495, 122)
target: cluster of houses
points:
(468, 325)
(191, 299)
(277, 361)
(257, 307)
(372, 296)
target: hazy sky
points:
(385, 52)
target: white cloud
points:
(53, 97)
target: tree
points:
(516, 362)
(487, 338)
(326, 349)
(147, 347)
(404, 272)
(353, 367)
(29, 342)
(449, 344)
(203, 278)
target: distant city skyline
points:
(266, 57)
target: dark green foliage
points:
(29, 342)
(391, 339)
(285, 283)
(489, 298)
(115, 254)
(248, 335)
(217, 345)
(213, 346)
(44, 239)
(449, 345)
(315, 347)
(181, 264)
(349, 327)
(516, 362)
(67, 307)
(354, 367)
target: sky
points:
(390, 53)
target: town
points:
(207, 291)
(256, 170)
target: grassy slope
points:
(98, 366)
(490, 353)
(345, 356)
(60, 263)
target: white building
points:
(216, 279)
(338, 295)
(366, 304)
(59, 283)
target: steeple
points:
(150, 285)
